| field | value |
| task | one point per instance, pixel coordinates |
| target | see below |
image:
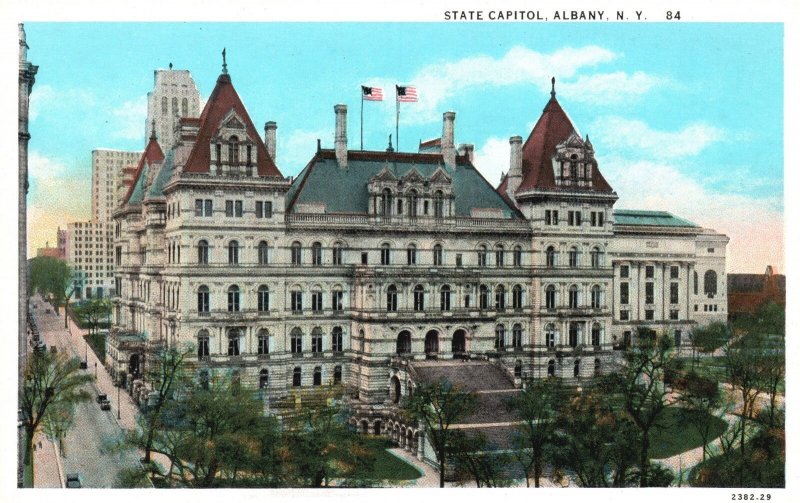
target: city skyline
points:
(670, 131)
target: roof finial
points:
(170, 65)
(224, 63)
(153, 129)
(553, 89)
(390, 148)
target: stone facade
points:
(174, 95)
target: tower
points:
(174, 95)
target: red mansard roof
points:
(224, 98)
(152, 154)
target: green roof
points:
(162, 177)
(650, 218)
(345, 190)
(136, 194)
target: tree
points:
(701, 399)
(58, 421)
(710, 338)
(641, 386)
(94, 312)
(51, 277)
(474, 458)
(537, 407)
(52, 382)
(438, 406)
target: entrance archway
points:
(459, 345)
(394, 389)
(431, 344)
(134, 366)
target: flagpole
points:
(397, 120)
(362, 118)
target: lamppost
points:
(119, 385)
(95, 371)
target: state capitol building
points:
(375, 269)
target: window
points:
(624, 271)
(316, 253)
(551, 368)
(233, 150)
(203, 207)
(551, 217)
(648, 292)
(573, 257)
(438, 204)
(576, 372)
(624, 315)
(317, 376)
(336, 254)
(412, 203)
(499, 255)
(649, 271)
(336, 340)
(364, 258)
(573, 297)
(316, 301)
(263, 209)
(516, 336)
(386, 203)
(444, 298)
(673, 272)
(710, 283)
(574, 218)
(297, 253)
(233, 252)
(202, 344)
(596, 300)
(624, 293)
(296, 376)
(550, 297)
(296, 340)
(550, 335)
(263, 299)
(437, 255)
(648, 314)
(517, 256)
(597, 218)
(233, 342)
(164, 106)
(673, 293)
(678, 341)
(673, 314)
(337, 300)
(233, 209)
(695, 282)
(385, 254)
(233, 299)
(573, 334)
(391, 298)
(202, 252)
(263, 342)
(595, 334)
(337, 374)
(425, 206)
(500, 298)
(499, 337)
(297, 301)
(550, 257)
(419, 298)
(482, 256)
(316, 340)
(263, 253)
(174, 106)
(516, 297)
(596, 257)
(263, 379)
(411, 252)
(483, 297)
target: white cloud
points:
(636, 137)
(294, 151)
(493, 158)
(610, 88)
(129, 119)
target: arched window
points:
(233, 252)
(337, 374)
(516, 297)
(296, 340)
(404, 342)
(499, 256)
(386, 254)
(550, 297)
(316, 340)
(336, 340)
(437, 254)
(459, 344)
(263, 253)
(516, 336)
(597, 257)
(233, 342)
(483, 297)
(419, 298)
(263, 379)
(317, 376)
(202, 344)
(576, 372)
(438, 204)
(297, 253)
(596, 298)
(551, 368)
(432, 342)
(412, 203)
(316, 253)
(336, 253)
(391, 298)
(263, 342)
(297, 375)
(202, 252)
(517, 256)
(184, 107)
(595, 334)
(444, 298)
(203, 300)
(386, 202)
(263, 299)
(550, 256)
(500, 298)
(482, 256)
(499, 337)
(233, 299)
(550, 335)
(411, 253)
(573, 297)
(233, 150)
(164, 106)
(174, 106)
(573, 257)
(710, 283)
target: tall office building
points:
(174, 95)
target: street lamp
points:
(95, 371)
(119, 385)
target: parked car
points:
(74, 481)
(105, 405)
(102, 397)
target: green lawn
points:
(676, 434)
(386, 465)
(97, 342)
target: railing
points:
(486, 223)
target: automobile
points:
(105, 405)
(102, 397)
(74, 481)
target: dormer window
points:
(233, 150)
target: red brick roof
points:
(223, 99)
(152, 154)
(552, 128)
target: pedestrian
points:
(40, 444)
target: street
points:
(90, 443)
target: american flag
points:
(371, 93)
(406, 94)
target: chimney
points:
(270, 131)
(448, 146)
(340, 141)
(469, 151)
(515, 168)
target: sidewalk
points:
(47, 470)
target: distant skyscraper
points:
(174, 95)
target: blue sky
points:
(686, 118)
